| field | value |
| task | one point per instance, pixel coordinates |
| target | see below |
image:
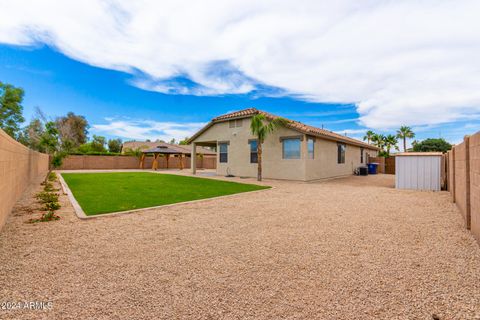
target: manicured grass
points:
(99, 193)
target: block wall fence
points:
(87, 162)
(19, 167)
(463, 165)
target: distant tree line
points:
(66, 134)
(387, 142)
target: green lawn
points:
(99, 193)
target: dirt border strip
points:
(81, 214)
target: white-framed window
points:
(311, 148)
(291, 148)
(253, 151)
(223, 152)
(361, 155)
(341, 153)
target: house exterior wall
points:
(324, 164)
(238, 164)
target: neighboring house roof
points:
(292, 124)
(184, 149)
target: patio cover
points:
(161, 150)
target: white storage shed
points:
(418, 170)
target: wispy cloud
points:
(417, 71)
(146, 129)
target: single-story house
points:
(295, 151)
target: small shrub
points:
(45, 197)
(52, 177)
(48, 216)
(48, 187)
(52, 206)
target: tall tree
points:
(51, 143)
(261, 127)
(98, 144)
(31, 135)
(368, 136)
(390, 141)
(379, 141)
(72, 130)
(405, 133)
(11, 109)
(115, 145)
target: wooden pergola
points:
(161, 150)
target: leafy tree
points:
(72, 130)
(11, 109)
(49, 140)
(115, 145)
(31, 135)
(98, 144)
(368, 136)
(261, 127)
(184, 141)
(432, 145)
(173, 141)
(137, 152)
(405, 133)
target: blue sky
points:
(152, 69)
(57, 84)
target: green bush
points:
(51, 206)
(46, 197)
(52, 177)
(94, 153)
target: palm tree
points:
(390, 141)
(378, 140)
(403, 133)
(261, 127)
(368, 136)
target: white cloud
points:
(147, 129)
(402, 62)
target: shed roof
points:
(403, 154)
(292, 124)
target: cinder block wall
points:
(91, 162)
(464, 181)
(475, 185)
(19, 166)
(461, 180)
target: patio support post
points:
(167, 157)
(193, 158)
(142, 161)
(181, 161)
(155, 163)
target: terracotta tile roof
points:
(296, 125)
(144, 145)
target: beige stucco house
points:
(294, 152)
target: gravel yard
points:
(351, 248)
